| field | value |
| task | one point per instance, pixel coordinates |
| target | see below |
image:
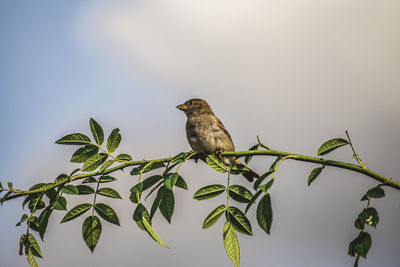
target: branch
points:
(339, 164)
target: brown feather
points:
(206, 133)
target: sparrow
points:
(206, 133)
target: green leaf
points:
(108, 192)
(137, 188)
(231, 244)
(213, 217)
(140, 214)
(330, 145)
(214, 162)
(273, 165)
(170, 181)
(239, 169)
(314, 174)
(44, 221)
(5, 197)
(41, 185)
(239, 220)
(60, 204)
(70, 190)
(89, 180)
(39, 205)
(135, 197)
(261, 179)
(31, 259)
(74, 139)
(91, 231)
(74, 171)
(248, 158)
(107, 213)
(179, 158)
(360, 245)
(376, 192)
(240, 193)
(368, 216)
(124, 157)
(23, 218)
(157, 201)
(28, 198)
(209, 191)
(167, 205)
(170, 167)
(62, 176)
(97, 131)
(76, 212)
(264, 213)
(34, 223)
(181, 183)
(51, 194)
(358, 224)
(136, 192)
(147, 167)
(113, 140)
(106, 164)
(83, 153)
(107, 179)
(150, 181)
(265, 175)
(21, 244)
(84, 189)
(94, 162)
(152, 233)
(253, 200)
(34, 245)
(265, 187)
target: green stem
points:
(105, 151)
(227, 188)
(339, 164)
(354, 152)
(95, 195)
(344, 165)
(32, 212)
(188, 157)
(277, 167)
(356, 262)
(227, 185)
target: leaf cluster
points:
(162, 178)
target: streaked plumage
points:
(206, 133)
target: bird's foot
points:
(219, 152)
(195, 155)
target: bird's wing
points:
(220, 126)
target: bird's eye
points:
(190, 103)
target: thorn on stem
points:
(261, 144)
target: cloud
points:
(253, 45)
(322, 60)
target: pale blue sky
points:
(296, 73)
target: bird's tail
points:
(248, 173)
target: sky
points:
(297, 73)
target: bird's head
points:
(195, 106)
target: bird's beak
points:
(182, 107)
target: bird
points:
(206, 134)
